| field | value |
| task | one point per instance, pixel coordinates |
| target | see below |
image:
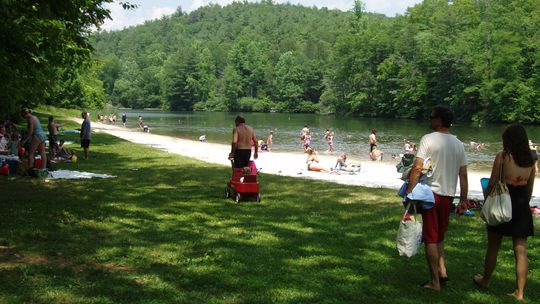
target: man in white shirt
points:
(449, 161)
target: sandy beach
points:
(372, 174)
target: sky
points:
(154, 9)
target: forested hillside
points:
(482, 57)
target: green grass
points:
(162, 232)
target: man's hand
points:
(461, 207)
(255, 155)
(231, 155)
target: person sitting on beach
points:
(342, 165)
(63, 152)
(376, 154)
(262, 145)
(13, 143)
(312, 161)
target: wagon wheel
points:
(258, 197)
(228, 192)
(237, 198)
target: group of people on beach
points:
(312, 161)
(108, 119)
(448, 166)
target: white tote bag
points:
(409, 234)
(497, 208)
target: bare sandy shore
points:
(372, 174)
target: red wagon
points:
(243, 186)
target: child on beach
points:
(269, 140)
(330, 141)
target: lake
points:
(351, 133)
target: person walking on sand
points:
(243, 139)
(53, 136)
(140, 122)
(449, 162)
(86, 132)
(329, 137)
(35, 136)
(517, 165)
(372, 140)
(270, 140)
(124, 119)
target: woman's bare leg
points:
(522, 266)
(494, 243)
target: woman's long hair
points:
(516, 142)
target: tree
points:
(40, 40)
(290, 81)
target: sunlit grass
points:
(164, 233)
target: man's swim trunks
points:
(241, 157)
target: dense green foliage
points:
(162, 231)
(482, 57)
(45, 53)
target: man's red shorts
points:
(435, 220)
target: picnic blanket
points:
(69, 174)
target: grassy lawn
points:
(163, 232)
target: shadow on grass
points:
(162, 231)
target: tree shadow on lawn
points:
(165, 232)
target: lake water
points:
(351, 133)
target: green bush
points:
(199, 106)
(307, 107)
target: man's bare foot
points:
(478, 279)
(516, 295)
(429, 285)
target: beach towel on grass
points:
(68, 174)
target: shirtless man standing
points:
(53, 134)
(372, 140)
(243, 140)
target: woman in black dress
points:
(518, 173)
